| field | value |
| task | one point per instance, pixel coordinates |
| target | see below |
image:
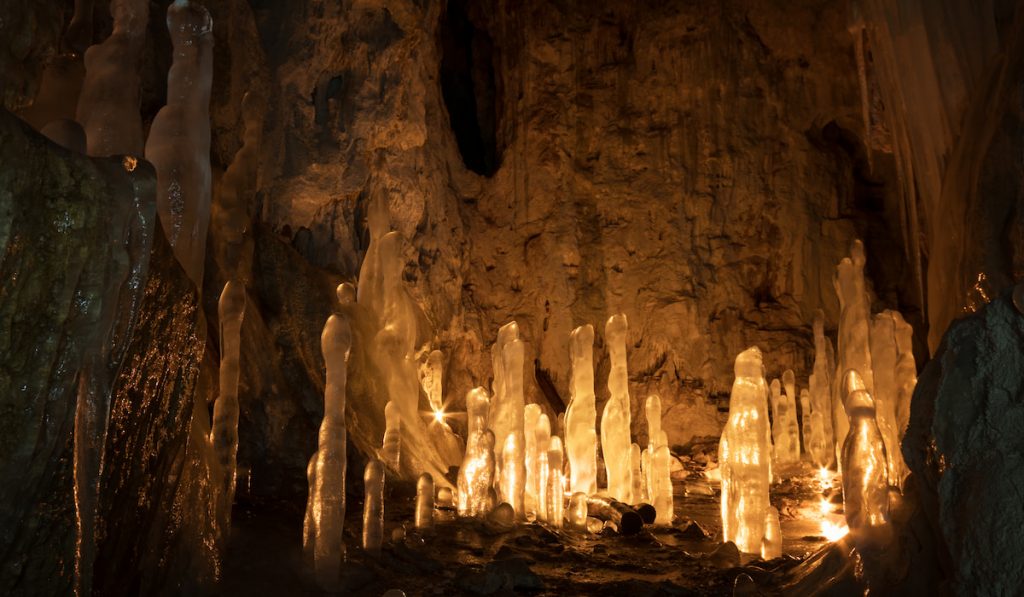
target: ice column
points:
(508, 403)
(783, 427)
(432, 381)
(556, 488)
(771, 544)
(820, 383)
(373, 507)
(854, 320)
(884, 355)
(581, 414)
(531, 492)
(425, 502)
(224, 433)
(391, 450)
(865, 482)
(108, 106)
(615, 439)
(326, 473)
(744, 455)
(478, 405)
(179, 140)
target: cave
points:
(479, 297)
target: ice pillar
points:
(373, 507)
(508, 402)
(476, 476)
(531, 492)
(425, 502)
(884, 355)
(542, 435)
(820, 383)
(615, 438)
(581, 414)
(854, 320)
(556, 487)
(224, 432)
(638, 476)
(511, 480)
(865, 480)
(661, 473)
(744, 455)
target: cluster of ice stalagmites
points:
(581, 414)
(224, 432)
(325, 508)
(179, 140)
(744, 454)
(615, 440)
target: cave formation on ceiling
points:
(530, 224)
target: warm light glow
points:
(832, 531)
(439, 416)
(824, 476)
(825, 507)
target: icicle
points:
(615, 438)
(425, 502)
(373, 507)
(581, 414)
(744, 455)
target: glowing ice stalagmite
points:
(865, 480)
(805, 420)
(853, 349)
(744, 455)
(820, 386)
(542, 435)
(476, 475)
(109, 102)
(326, 473)
(578, 511)
(511, 480)
(581, 414)
(508, 403)
(391, 450)
(884, 355)
(661, 469)
(638, 475)
(615, 438)
(424, 502)
(556, 492)
(432, 380)
(648, 483)
(771, 543)
(224, 432)
(179, 140)
(787, 447)
(478, 405)
(531, 489)
(905, 372)
(373, 507)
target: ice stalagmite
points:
(346, 293)
(819, 449)
(556, 491)
(581, 414)
(645, 468)
(424, 502)
(661, 473)
(652, 409)
(771, 543)
(531, 489)
(179, 140)
(542, 435)
(577, 514)
(224, 432)
(805, 420)
(432, 380)
(511, 480)
(326, 508)
(478, 405)
(787, 447)
(905, 374)
(638, 476)
(109, 103)
(820, 383)
(853, 351)
(476, 475)
(391, 450)
(865, 481)
(615, 439)
(373, 507)
(775, 398)
(508, 402)
(884, 355)
(744, 455)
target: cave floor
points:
(474, 558)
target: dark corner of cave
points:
(481, 297)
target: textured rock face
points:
(970, 399)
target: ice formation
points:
(805, 420)
(542, 437)
(581, 414)
(108, 105)
(820, 383)
(531, 488)
(510, 479)
(621, 516)
(478, 405)
(346, 293)
(432, 380)
(556, 492)
(787, 443)
(179, 140)
(744, 455)
(476, 476)
(391, 450)
(905, 373)
(326, 473)
(373, 507)
(819, 448)
(507, 403)
(370, 290)
(638, 475)
(884, 355)
(771, 543)
(645, 468)
(658, 470)
(853, 351)
(578, 511)
(224, 432)
(444, 506)
(424, 502)
(865, 481)
(615, 439)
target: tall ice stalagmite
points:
(476, 475)
(615, 438)
(508, 403)
(884, 355)
(391, 448)
(581, 414)
(224, 432)
(853, 351)
(556, 491)
(531, 488)
(326, 508)
(744, 455)
(424, 502)
(373, 507)
(179, 140)
(820, 383)
(865, 480)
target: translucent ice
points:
(391, 450)
(478, 405)
(326, 473)
(805, 420)
(425, 502)
(556, 491)
(511, 480)
(865, 481)
(531, 490)
(853, 351)
(771, 544)
(179, 139)
(542, 435)
(638, 476)
(905, 374)
(820, 383)
(373, 507)
(370, 290)
(615, 438)
(578, 511)
(108, 106)
(661, 470)
(581, 414)
(744, 455)
(346, 293)
(476, 476)
(884, 355)
(224, 432)
(787, 447)
(432, 380)
(508, 402)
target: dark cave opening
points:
(468, 87)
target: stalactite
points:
(581, 414)
(615, 439)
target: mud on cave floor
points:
(469, 557)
